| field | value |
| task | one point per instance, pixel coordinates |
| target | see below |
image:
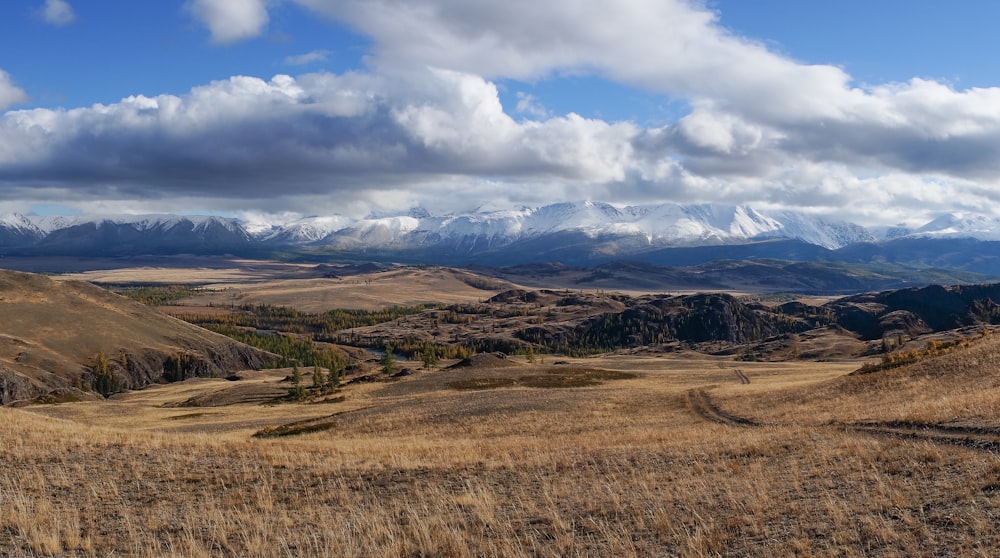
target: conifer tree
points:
(317, 377)
(333, 377)
(388, 361)
(297, 391)
(429, 356)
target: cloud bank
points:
(424, 123)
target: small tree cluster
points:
(104, 381)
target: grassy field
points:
(649, 453)
(298, 286)
(683, 455)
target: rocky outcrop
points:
(131, 369)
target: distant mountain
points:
(955, 225)
(655, 225)
(18, 230)
(131, 235)
(575, 233)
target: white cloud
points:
(670, 46)
(10, 94)
(58, 12)
(351, 135)
(530, 105)
(425, 123)
(307, 58)
(230, 21)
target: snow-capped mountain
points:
(15, 222)
(957, 225)
(308, 229)
(125, 235)
(579, 231)
(656, 225)
(818, 231)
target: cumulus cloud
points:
(230, 21)
(320, 134)
(669, 46)
(10, 94)
(424, 124)
(57, 12)
(750, 103)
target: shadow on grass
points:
(556, 378)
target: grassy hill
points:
(53, 333)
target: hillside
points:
(52, 334)
(947, 394)
(587, 322)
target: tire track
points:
(702, 406)
(985, 439)
(978, 438)
(742, 377)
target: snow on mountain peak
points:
(666, 224)
(959, 225)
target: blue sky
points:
(876, 112)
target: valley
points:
(571, 422)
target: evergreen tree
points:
(297, 391)
(333, 377)
(388, 361)
(317, 377)
(429, 356)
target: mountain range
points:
(578, 233)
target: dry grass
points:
(373, 291)
(415, 468)
(302, 286)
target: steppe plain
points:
(674, 454)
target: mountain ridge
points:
(572, 232)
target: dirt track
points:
(987, 439)
(981, 438)
(703, 407)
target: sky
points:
(879, 113)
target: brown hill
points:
(947, 383)
(53, 333)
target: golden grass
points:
(415, 468)
(373, 291)
(233, 282)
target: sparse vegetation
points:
(158, 295)
(322, 326)
(292, 348)
(903, 358)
